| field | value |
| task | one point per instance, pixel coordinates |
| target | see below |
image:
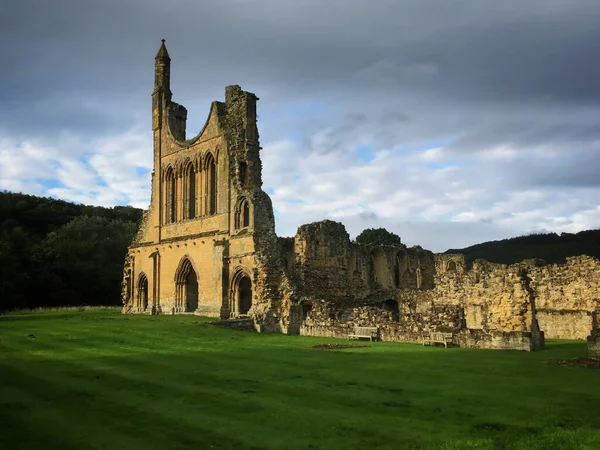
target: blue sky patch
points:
(365, 152)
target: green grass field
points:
(96, 379)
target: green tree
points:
(378, 236)
(82, 261)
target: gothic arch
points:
(189, 191)
(242, 213)
(210, 170)
(170, 195)
(241, 292)
(186, 286)
(142, 292)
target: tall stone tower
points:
(207, 243)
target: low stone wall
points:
(386, 332)
(500, 340)
(497, 340)
(324, 320)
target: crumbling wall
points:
(566, 296)
(501, 297)
(497, 340)
(336, 285)
(495, 296)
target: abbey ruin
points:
(207, 246)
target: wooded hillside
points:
(54, 252)
(551, 247)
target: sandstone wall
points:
(501, 297)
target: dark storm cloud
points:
(481, 50)
(470, 76)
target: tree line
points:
(551, 247)
(57, 253)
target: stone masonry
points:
(207, 246)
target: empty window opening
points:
(245, 214)
(243, 172)
(392, 306)
(451, 267)
(191, 192)
(211, 173)
(171, 197)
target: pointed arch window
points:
(170, 196)
(190, 192)
(211, 185)
(245, 214)
(242, 214)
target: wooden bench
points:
(438, 338)
(372, 333)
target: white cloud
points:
(102, 171)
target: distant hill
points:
(551, 247)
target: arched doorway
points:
(191, 292)
(244, 295)
(241, 293)
(142, 292)
(186, 287)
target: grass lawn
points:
(96, 379)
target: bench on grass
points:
(438, 338)
(371, 333)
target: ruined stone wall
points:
(500, 297)
(406, 326)
(566, 296)
(494, 296)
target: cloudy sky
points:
(449, 122)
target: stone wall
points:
(324, 319)
(501, 297)
(324, 265)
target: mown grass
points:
(96, 379)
